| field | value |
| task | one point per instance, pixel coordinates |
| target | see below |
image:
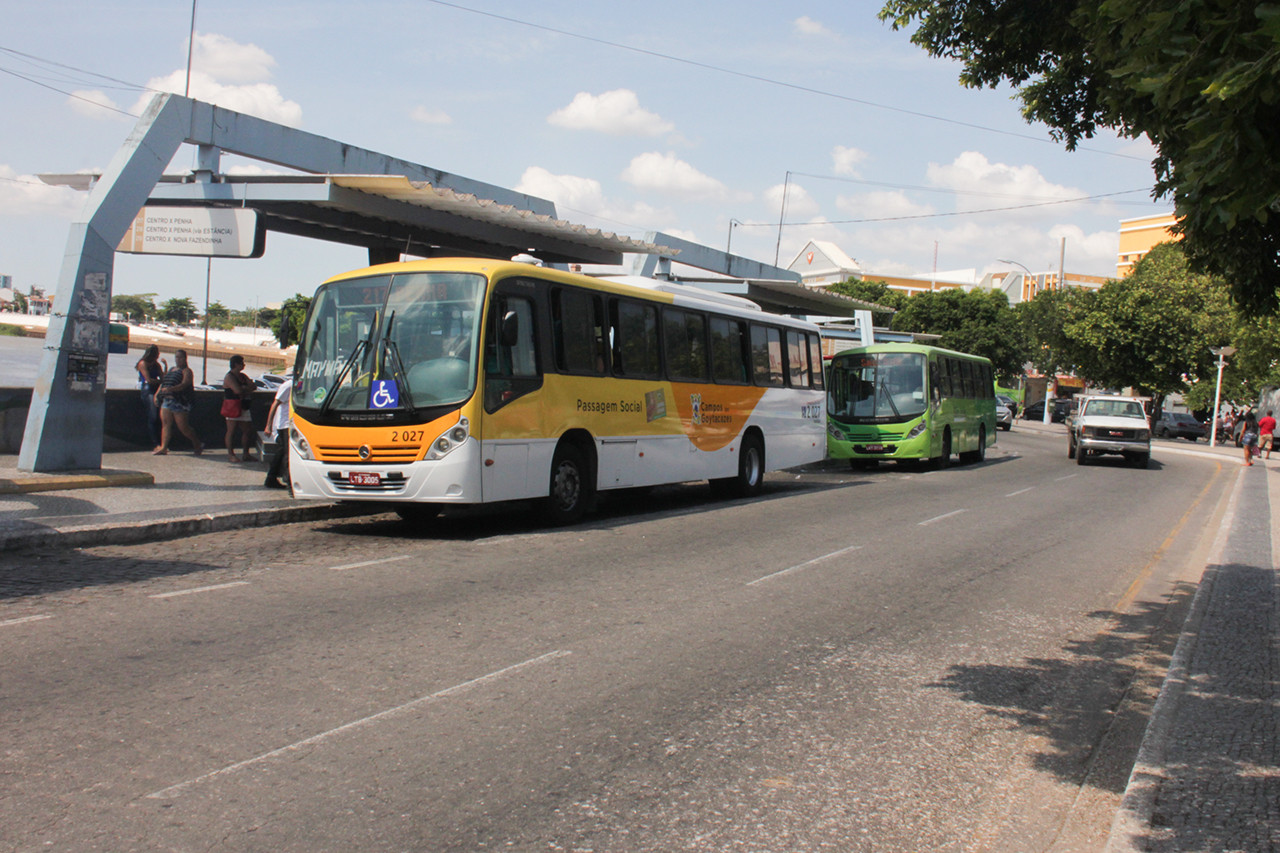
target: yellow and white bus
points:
(462, 381)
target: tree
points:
(1196, 78)
(1044, 321)
(178, 310)
(877, 292)
(1152, 331)
(219, 315)
(977, 321)
(288, 326)
(137, 307)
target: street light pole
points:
(1221, 353)
(1047, 416)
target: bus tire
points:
(571, 488)
(750, 479)
(978, 455)
(944, 458)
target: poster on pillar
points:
(215, 232)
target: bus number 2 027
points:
(408, 435)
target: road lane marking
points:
(941, 517)
(1019, 492)
(364, 721)
(798, 566)
(23, 619)
(196, 589)
(1060, 479)
(370, 563)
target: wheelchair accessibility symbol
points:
(384, 394)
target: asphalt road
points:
(883, 660)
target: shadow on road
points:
(1090, 704)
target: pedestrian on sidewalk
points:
(176, 401)
(1249, 438)
(237, 392)
(1266, 432)
(151, 369)
(279, 419)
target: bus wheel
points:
(571, 487)
(750, 479)
(944, 458)
(418, 514)
(981, 453)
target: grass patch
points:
(12, 331)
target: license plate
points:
(364, 478)
(875, 448)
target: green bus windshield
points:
(877, 387)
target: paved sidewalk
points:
(137, 496)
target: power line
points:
(769, 80)
(947, 191)
(97, 104)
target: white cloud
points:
(667, 173)
(230, 75)
(27, 195)
(800, 205)
(806, 26)
(223, 59)
(575, 196)
(94, 103)
(617, 112)
(845, 160)
(881, 204)
(425, 115)
(972, 172)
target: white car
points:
(1004, 417)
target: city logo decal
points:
(695, 402)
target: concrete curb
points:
(59, 482)
(173, 528)
(1132, 823)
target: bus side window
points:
(798, 359)
(684, 343)
(577, 331)
(633, 339)
(766, 355)
(935, 392)
(729, 360)
(511, 370)
(815, 360)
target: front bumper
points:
(1111, 445)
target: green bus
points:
(909, 403)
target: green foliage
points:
(178, 311)
(219, 316)
(11, 331)
(294, 311)
(977, 321)
(877, 292)
(1197, 78)
(137, 307)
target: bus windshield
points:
(391, 342)
(876, 387)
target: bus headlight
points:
(916, 430)
(454, 437)
(834, 431)
(300, 443)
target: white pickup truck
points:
(1109, 424)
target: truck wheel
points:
(1071, 447)
(1082, 456)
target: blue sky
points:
(632, 117)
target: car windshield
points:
(1117, 408)
(391, 342)
(877, 387)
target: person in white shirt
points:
(279, 419)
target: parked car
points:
(1058, 414)
(1180, 425)
(1008, 401)
(1004, 416)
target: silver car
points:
(1004, 417)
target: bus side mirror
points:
(510, 330)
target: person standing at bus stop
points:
(279, 418)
